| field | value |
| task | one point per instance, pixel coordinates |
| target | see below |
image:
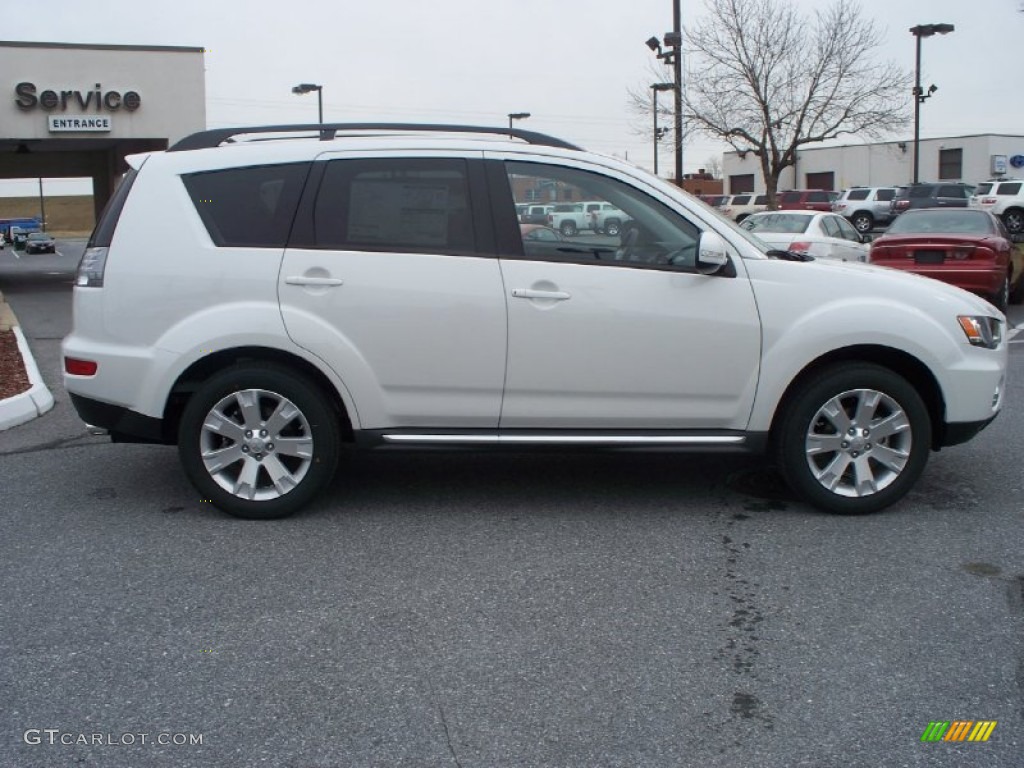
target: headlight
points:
(981, 330)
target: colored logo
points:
(958, 730)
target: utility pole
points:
(677, 64)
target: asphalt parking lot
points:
(497, 610)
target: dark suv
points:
(930, 196)
(806, 200)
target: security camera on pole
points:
(674, 41)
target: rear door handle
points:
(302, 280)
(529, 293)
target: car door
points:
(852, 247)
(390, 278)
(621, 333)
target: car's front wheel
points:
(1014, 220)
(854, 438)
(568, 228)
(259, 441)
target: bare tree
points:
(768, 80)
(713, 167)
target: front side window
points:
(248, 207)
(741, 200)
(885, 194)
(635, 230)
(953, 191)
(831, 227)
(846, 230)
(411, 205)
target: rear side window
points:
(741, 200)
(857, 194)
(1009, 188)
(761, 200)
(983, 189)
(790, 197)
(885, 194)
(951, 191)
(918, 193)
(818, 197)
(412, 205)
(104, 231)
(248, 207)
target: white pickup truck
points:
(594, 216)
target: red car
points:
(806, 200)
(965, 247)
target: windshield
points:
(789, 223)
(942, 222)
(38, 236)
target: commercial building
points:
(75, 110)
(967, 159)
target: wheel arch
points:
(898, 361)
(202, 369)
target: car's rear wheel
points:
(568, 228)
(259, 442)
(863, 222)
(1013, 219)
(854, 438)
(612, 227)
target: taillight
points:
(799, 246)
(77, 367)
(91, 268)
(901, 204)
(989, 200)
(963, 252)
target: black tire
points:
(612, 227)
(1013, 219)
(568, 228)
(311, 432)
(893, 463)
(1002, 299)
(1017, 293)
(863, 222)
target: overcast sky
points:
(569, 63)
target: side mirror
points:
(712, 253)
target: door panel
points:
(395, 295)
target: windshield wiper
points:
(789, 255)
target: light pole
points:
(922, 30)
(302, 88)
(42, 206)
(674, 41)
(515, 116)
(655, 87)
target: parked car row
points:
(869, 208)
(573, 218)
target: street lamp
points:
(923, 30)
(302, 88)
(655, 87)
(515, 116)
(674, 41)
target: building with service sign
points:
(77, 110)
(967, 159)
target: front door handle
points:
(530, 293)
(302, 280)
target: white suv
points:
(1004, 198)
(260, 302)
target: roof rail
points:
(217, 136)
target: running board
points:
(568, 439)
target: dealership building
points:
(967, 159)
(75, 110)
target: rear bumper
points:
(985, 281)
(124, 425)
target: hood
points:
(847, 281)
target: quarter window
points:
(411, 205)
(248, 207)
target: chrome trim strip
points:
(576, 439)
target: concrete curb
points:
(37, 400)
